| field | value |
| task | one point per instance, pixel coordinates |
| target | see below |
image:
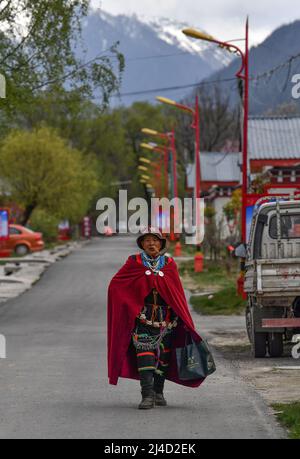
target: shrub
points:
(44, 223)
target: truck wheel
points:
(249, 323)
(258, 340)
(275, 344)
(259, 345)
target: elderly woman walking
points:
(148, 319)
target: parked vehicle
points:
(23, 240)
(272, 279)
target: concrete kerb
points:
(23, 273)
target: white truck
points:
(272, 280)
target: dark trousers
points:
(153, 365)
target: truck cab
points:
(272, 279)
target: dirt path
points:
(276, 385)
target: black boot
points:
(160, 400)
(146, 378)
(159, 384)
(147, 402)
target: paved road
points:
(53, 383)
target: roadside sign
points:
(250, 206)
(252, 200)
(87, 227)
(64, 231)
(4, 222)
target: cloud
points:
(224, 19)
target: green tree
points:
(58, 108)
(143, 115)
(104, 135)
(41, 171)
(212, 240)
(114, 136)
(37, 42)
(232, 212)
(42, 222)
(219, 124)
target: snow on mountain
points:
(157, 53)
(171, 32)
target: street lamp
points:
(143, 168)
(146, 182)
(157, 167)
(162, 151)
(243, 74)
(165, 100)
(145, 161)
(196, 125)
(150, 132)
(170, 137)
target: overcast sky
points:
(224, 19)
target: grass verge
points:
(225, 302)
(289, 417)
(215, 274)
(218, 280)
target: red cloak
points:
(126, 294)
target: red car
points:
(23, 240)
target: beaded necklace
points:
(155, 264)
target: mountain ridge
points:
(270, 71)
(159, 55)
(143, 41)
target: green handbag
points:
(195, 361)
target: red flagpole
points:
(245, 138)
(198, 165)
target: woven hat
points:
(152, 232)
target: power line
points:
(270, 72)
(267, 74)
(72, 73)
(171, 88)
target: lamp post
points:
(242, 74)
(170, 137)
(146, 183)
(143, 168)
(163, 151)
(171, 147)
(145, 160)
(149, 188)
(196, 126)
(144, 178)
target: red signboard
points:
(87, 228)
